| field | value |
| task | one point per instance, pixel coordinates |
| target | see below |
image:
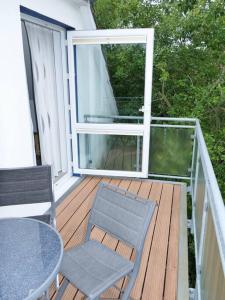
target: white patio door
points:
(110, 130)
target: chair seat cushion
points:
(92, 267)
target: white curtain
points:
(60, 98)
(41, 42)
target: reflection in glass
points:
(114, 83)
(110, 152)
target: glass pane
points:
(200, 194)
(170, 151)
(110, 83)
(110, 152)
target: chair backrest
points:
(122, 214)
(25, 186)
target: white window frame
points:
(115, 36)
(62, 31)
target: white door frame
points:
(114, 36)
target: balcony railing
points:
(178, 151)
(208, 215)
(208, 211)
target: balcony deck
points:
(158, 275)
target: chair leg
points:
(62, 289)
(47, 297)
(127, 290)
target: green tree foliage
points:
(118, 57)
(189, 61)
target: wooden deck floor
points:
(158, 273)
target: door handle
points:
(144, 109)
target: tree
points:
(189, 62)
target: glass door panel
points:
(114, 83)
(110, 79)
(117, 152)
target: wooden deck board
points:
(157, 278)
(172, 259)
(155, 194)
(153, 289)
(70, 197)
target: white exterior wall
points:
(16, 137)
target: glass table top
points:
(30, 256)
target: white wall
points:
(15, 124)
(16, 139)
(65, 11)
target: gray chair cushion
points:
(29, 185)
(92, 267)
(25, 185)
(122, 214)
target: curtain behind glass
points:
(43, 64)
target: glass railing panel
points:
(212, 279)
(110, 152)
(170, 151)
(199, 201)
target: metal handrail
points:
(174, 119)
(193, 120)
(113, 117)
(87, 116)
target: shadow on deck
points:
(158, 275)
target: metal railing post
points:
(196, 178)
(194, 197)
(193, 160)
